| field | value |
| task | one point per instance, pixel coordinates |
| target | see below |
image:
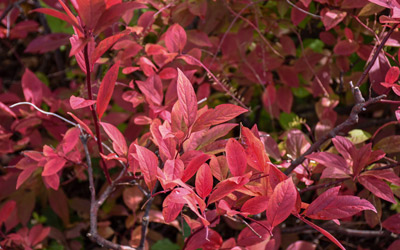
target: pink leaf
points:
(383, 174)
(329, 205)
(204, 181)
(187, 98)
(38, 233)
(106, 89)
(57, 14)
(344, 146)
(236, 157)
(301, 245)
(79, 102)
(331, 18)
(25, 174)
(377, 187)
(204, 239)
(119, 143)
(175, 38)
(148, 163)
(392, 75)
(392, 223)
(330, 160)
(53, 166)
(248, 238)
(282, 202)
(7, 110)
(70, 139)
(173, 169)
(83, 125)
(345, 47)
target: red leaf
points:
(53, 166)
(32, 87)
(288, 76)
(193, 166)
(90, 11)
(255, 205)
(204, 181)
(148, 163)
(323, 231)
(79, 102)
(383, 174)
(114, 13)
(392, 223)
(25, 174)
(236, 157)
(104, 45)
(395, 245)
(345, 47)
(187, 98)
(330, 160)
(213, 134)
(37, 234)
(227, 186)
(59, 204)
(7, 110)
(282, 202)
(83, 125)
(377, 187)
(255, 152)
(219, 167)
(204, 239)
(301, 245)
(119, 143)
(344, 146)
(296, 15)
(378, 72)
(46, 43)
(285, 99)
(52, 181)
(329, 206)
(175, 38)
(171, 209)
(106, 89)
(6, 210)
(152, 89)
(57, 14)
(132, 197)
(218, 115)
(392, 75)
(331, 18)
(248, 238)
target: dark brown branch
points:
(323, 185)
(351, 120)
(95, 204)
(378, 50)
(145, 222)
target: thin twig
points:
(377, 52)
(360, 106)
(8, 9)
(323, 185)
(95, 204)
(304, 11)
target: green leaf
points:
(165, 244)
(286, 119)
(389, 145)
(186, 230)
(358, 136)
(300, 92)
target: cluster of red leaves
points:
(173, 139)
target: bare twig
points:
(378, 50)
(360, 106)
(323, 185)
(304, 11)
(95, 204)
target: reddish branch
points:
(94, 115)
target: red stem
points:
(94, 115)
